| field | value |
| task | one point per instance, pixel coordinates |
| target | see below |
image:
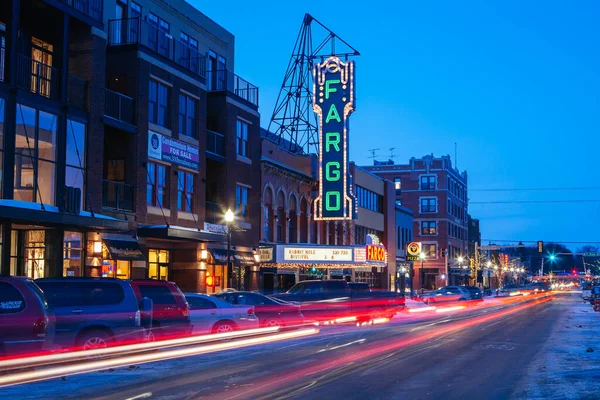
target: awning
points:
(124, 250)
(179, 233)
(241, 258)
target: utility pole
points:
(447, 269)
(542, 270)
(477, 264)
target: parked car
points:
(170, 310)
(270, 311)
(213, 315)
(475, 293)
(93, 312)
(586, 291)
(329, 299)
(25, 321)
(447, 294)
(359, 287)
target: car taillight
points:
(251, 311)
(138, 318)
(40, 326)
(185, 312)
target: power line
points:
(535, 241)
(536, 189)
(533, 201)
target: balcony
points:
(36, 77)
(224, 80)
(214, 214)
(135, 31)
(215, 144)
(78, 93)
(117, 196)
(91, 8)
(119, 107)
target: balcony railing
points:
(119, 107)
(91, 8)
(2, 57)
(221, 80)
(214, 214)
(78, 92)
(117, 196)
(215, 143)
(36, 77)
(136, 31)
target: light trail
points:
(342, 345)
(450, 309)
(37, 361)
(421, 309)
(92, 366)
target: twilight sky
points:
(515, 83)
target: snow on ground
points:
(564, 367)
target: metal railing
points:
(36, 77)
(117, 195)
(215, 143)
(78, 92)
(136, 31)
(214, 214)
(221, 80)
(119, 107)
(91, 8)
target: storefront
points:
(243, 265)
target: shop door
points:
(35, 251)
(268, 281)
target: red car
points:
(25, 323)
(170, 310)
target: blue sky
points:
(515, 83)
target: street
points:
(481, 352)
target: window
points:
(266, 224)
(158, 265)
(102, 293)
(63, 294)
(158, 103)
(398, 185)
(156, 188)
(242, 139)
(158, 35)
(428, 205)
(199, 303)
(428, 182)
(188, 107)
(368, 199)
(428, 228)
(136, 12)
(35, 156)
(75, 169)
(158, 294)
(241, 202)
(72, 251)
(188, 54)
(430, 250)
(11, 300)
(41, 68)
(1, 132)
(186, 191)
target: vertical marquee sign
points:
(333, 102)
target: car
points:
(210, 314)
(25, 320)
(359, 287)
(595, 293)
(475, 293)
(270, 311)
(170, 310)
(447, 294)
(93, 312)
(586, 291)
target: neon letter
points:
(336, 196)
(330, 89)
(333, 114)
(332, 139)
(332, 176)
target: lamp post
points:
(460, 260)
(422, 256)
(229, 220)
(489, 268)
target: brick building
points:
(437, 194)
(132, 137)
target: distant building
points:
(404, 235)
(437, 194)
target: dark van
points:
(93, 312)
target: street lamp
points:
(229, 220)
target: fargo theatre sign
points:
(333, 102)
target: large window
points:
(430, 250)
(188, 107)
(429, 205)
(158, 35)
(369, 200)
(242, 139)
(72, 251)
(428, 228)
(186, 191)
(75, 169)
(1, 140)
(428, 182)
(158, 264)
(241, 202)
(156, 188)
(398, 185)
(41, 67)
(35, 156)
(189, 52)
(158, 103)
(266, 223)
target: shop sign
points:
(375, 252)
(324, 254)
(333, 102)
(266, 254)
(214, 228)
(174, 151)
(413, 251)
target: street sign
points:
(413, 251)
(591, 254)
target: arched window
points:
(280, 217)
(267, 220)
(303, 221)
(293, 221)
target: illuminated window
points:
(158, 264)
(430, 250)
(72, 251)
(428, 228)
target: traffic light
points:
(443, 252)
(540, 246)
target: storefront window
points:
(35, 250)
(158, 264)
(120, 269)
(72, 254)
(14, 255)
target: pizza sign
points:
(413, 251)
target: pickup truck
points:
(332, 299)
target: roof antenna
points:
(392, 156)
(373, 155)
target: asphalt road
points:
(480, 353)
